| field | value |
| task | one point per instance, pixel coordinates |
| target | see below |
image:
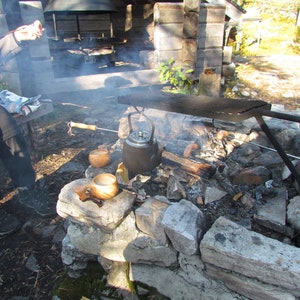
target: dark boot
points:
(37, 199)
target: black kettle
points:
(141, 153)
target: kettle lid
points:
(140, 137)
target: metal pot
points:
(140, 149)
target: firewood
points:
(199, 168)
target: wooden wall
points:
(168, 37)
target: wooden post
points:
(190, 32)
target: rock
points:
(248, 201)
(245, 153)
(31, 263)
(184, 225)
(146, 250)
(213, 194)
(110, 245)
(274, 210)
(293, 212)
(107, 217)
(175, 190)
(117, 276)
(148, 219)
(250, 288)
(172, 284)
(296, 144)
(268, 159)
(233, 248)
(251, 176)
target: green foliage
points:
(91, 286)
(276, 33)
(297, 40)
(178, 77)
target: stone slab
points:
(234, 248)
(107, 217)
(248, 287)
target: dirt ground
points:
(30, 261)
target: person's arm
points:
(9, 47)
(13, 43)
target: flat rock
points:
(231, 247)
(107, 217)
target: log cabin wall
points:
(168, 36)
(153, 34)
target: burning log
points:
(199, 168)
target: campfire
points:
(216, 185)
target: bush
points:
(178, 77)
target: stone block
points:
(210, 35)
(107, 217)
(210, 13)
(148, 219)
(273, 213)
(146, 250)
(168, 36)
(235, 249)
(165, 13)
(211, 57)
(293, 212)
(184, 224)
(164, 56)
(248, 287)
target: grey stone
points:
(170, 284)
(125, 243)
(92, 240)
(245, 153)
(274, 210)
(118, 276)
(248, 287)
(293, 212)
(213, 194)
(296, 144)
(268, 159)
(184, 224)
(145, 249)
(167, 282)
(31, 263)
(108, 217)
(286, 137)
(148, 219)
(70, 254)
(235, 249)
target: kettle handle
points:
(149, 120)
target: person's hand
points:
(30, 32)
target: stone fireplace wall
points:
(168, 243)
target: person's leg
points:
(17, 161)
(16, 158)
(8, 129)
